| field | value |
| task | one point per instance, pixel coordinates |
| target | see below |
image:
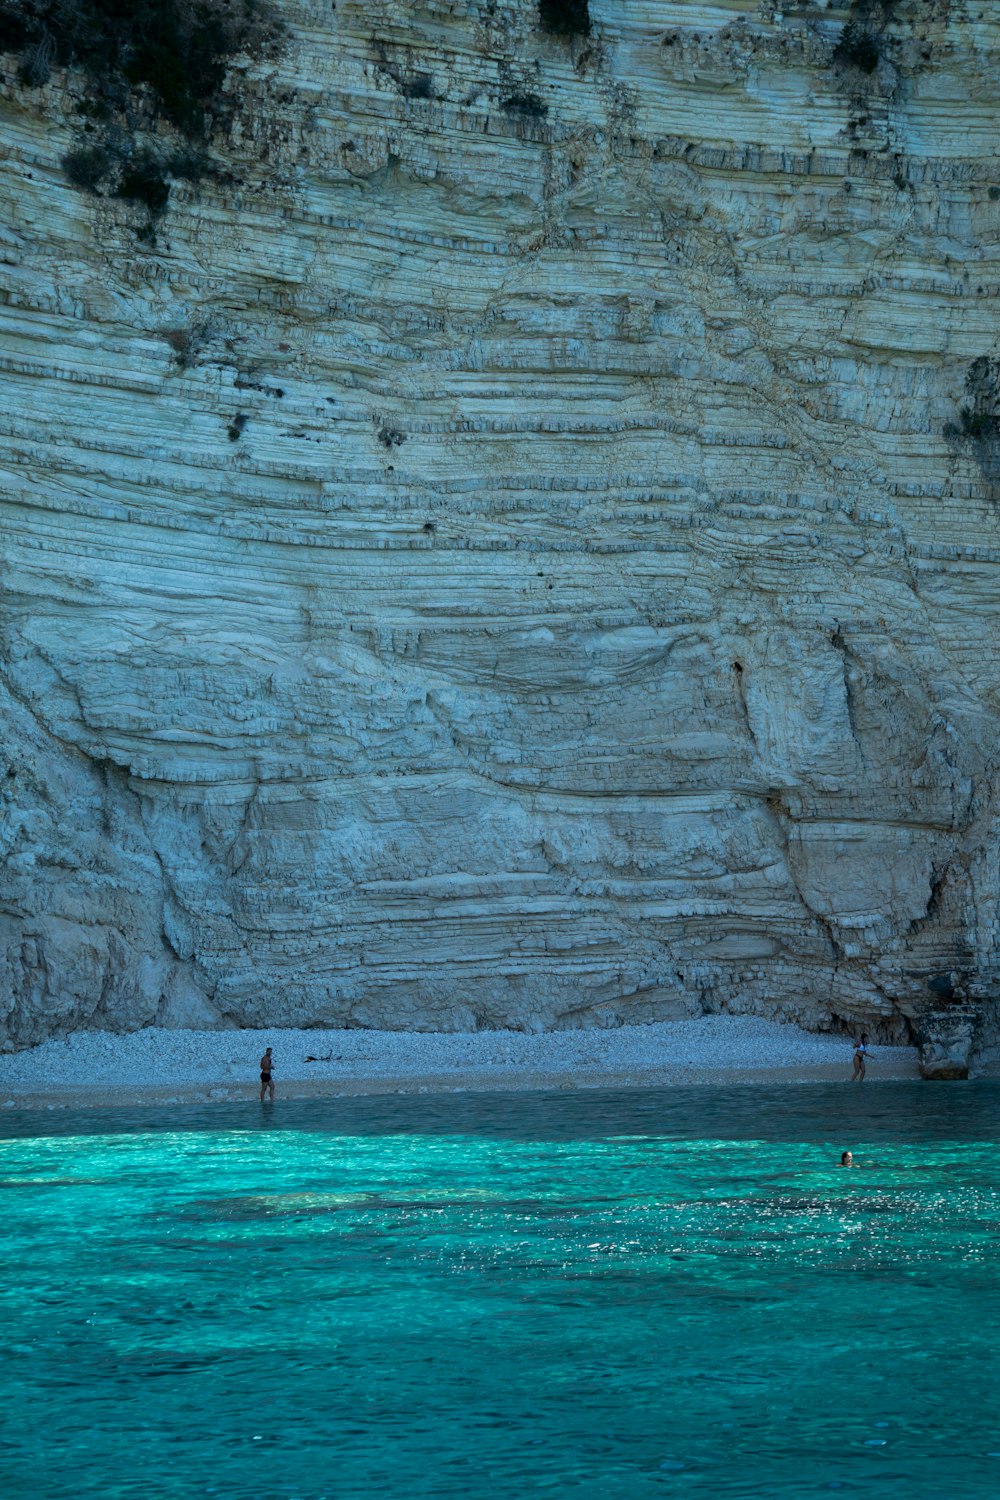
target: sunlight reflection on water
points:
(629, 1294)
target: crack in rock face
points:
(499, 521)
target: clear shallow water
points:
(662, 1293)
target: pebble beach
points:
(174, 1066)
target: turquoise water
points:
(656, 1293)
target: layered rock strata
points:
(516, 543)
(947, 1044)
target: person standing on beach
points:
(266, 1080)
(860, 1054)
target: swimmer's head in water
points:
(846, 1159)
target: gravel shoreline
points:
(168, 1066)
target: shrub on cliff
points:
(88, 167)
(979, 415)
(857, 48)
(178, 50)
(145, 61)
(564, 17)
(525, 104)
(144, 180)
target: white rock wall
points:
(591, 621)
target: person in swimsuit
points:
(266, 1081)
(860, 1053)
(846, 1159)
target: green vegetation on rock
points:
(177, 50)
(564, 17)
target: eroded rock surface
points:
(516, 543)
(947, 1040)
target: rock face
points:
(515, 543)
(946, 1043)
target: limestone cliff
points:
(511, 538)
